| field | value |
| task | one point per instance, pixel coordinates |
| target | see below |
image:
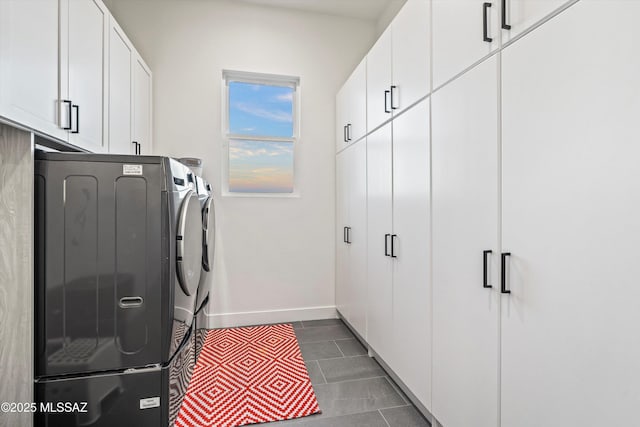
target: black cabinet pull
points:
(349, 132)
(77, 107)
(505, 26)
(344, 133)
(344, 234)
(393, 246)
(393, 104)
(503, 279)
(349, 235)
(485, 22)
(485, 270)
(139, 148)
(386, 101)
(135, 147)
(386, 244)
(69, 107)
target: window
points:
(261, 132)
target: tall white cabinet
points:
(503, 216)
(466, 250)
(399, 292)
(351, 255)
(571, 220)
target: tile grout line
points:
(339, 349)
(384, 418)
(322, 372)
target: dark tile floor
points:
(351, 388)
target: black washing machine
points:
(118, 263)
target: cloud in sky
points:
(264, 113)
(260, 167)
(284, 97)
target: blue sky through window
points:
(260, 166)
(260, 110)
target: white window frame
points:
(264, 79)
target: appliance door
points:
(133, 398)
(209, 234)
(188, 267)
(99, 267)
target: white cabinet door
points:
(379, 226)
(343, 99)
(379, 81)
(571, 220)
(465, 224)
(358, 236)
(357, 112)
(458, 36)
(121, 54)
(410, 34)
(29, 89)
(142, 106)
(411, 334)
(84, 30)
(517, 16)
(342, 221)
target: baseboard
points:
(228, 320)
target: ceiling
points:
(370, 10)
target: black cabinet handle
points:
(69, 107)
(77, 107)
(503, 279)
(485, 270)
(393, 246)
(344, 234)
(393, 104)
(386, 101)
(386, 244)
(349, 132)
(505, 26)
(135, 145)
(344, 133)
(349, 235)
(139, 148)
(485, 22)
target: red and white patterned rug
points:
(246, 376)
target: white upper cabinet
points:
(464, 31)
(29, 89)
(516, 16)
(410, 44)
(351, 108)
(121, 57)
(142, 106)
(379, 81)
(571, 220)
(83, 70)
(398, 65)
(466, 288)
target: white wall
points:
(272, 254)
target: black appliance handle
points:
(503, 279)
(505, 26)
(485, 269)
(485, 22)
